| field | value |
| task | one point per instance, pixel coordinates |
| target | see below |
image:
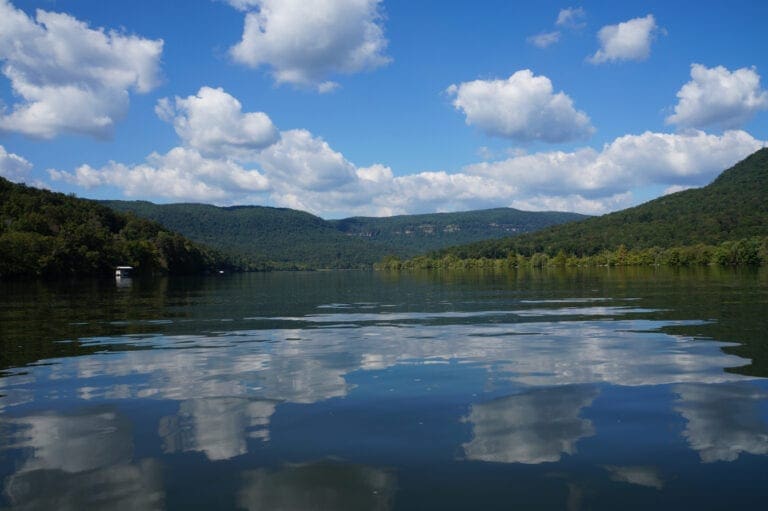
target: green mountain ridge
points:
(733, 207)
(285, 238)
(49, 234)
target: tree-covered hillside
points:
(267, 237)
(49, 234)
(286, 238)
(421, 233)
(733, 207)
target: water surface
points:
(352, 390)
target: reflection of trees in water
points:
(723, 420)
(534, 427)
(80, 461)
(219, 427)
(318, 487)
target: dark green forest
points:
(418, 234)
(47, 234)
(280, 238)
(725, 222)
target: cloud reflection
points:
(217, 427)
(535, 427)
(637, 475)
(724, 420)
(227, 383)
(73, 443)
(311, 364)
(80, 461)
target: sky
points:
(380, 107)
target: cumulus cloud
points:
(630, 40)
(574, 202)
(571, 17)
(304, 43)
(544, 39)
(676, 188)
(213, 122)
(522, 107)
(243, 5)
(228, 156)
(13, 166)
(180, 174)
(305, 173)
(302, 171)
(718, 97)
(308, 161)
(692, 158)
(71, 78)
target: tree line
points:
(48, 234)
(744, 252)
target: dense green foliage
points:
(269, 238)
(43, 233)
(747, 251)
(732, 208)
(421, 233)
(284, 238)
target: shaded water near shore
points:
(556, 389)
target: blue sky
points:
(366, 107)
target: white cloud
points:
(630, 40)
(571, 17)
(574, 202)
(544, 39)
(301, 160)
(599, 181)
(180, 174)
(302, 171)
(12, 166)
(676, 188)
(522, 107)
(71, 78)
(213, 123)
(306, 42)
(718, 97)
(228, 156)
(243, 5)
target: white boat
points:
(122, 272)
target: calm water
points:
(601, 389)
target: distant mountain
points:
(47, 234)
(286, 238)
(733, 207)
(416, 234)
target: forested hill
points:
(421, 233)
(269, 238)
(47, 234)
(286, 238)
(733, 207)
